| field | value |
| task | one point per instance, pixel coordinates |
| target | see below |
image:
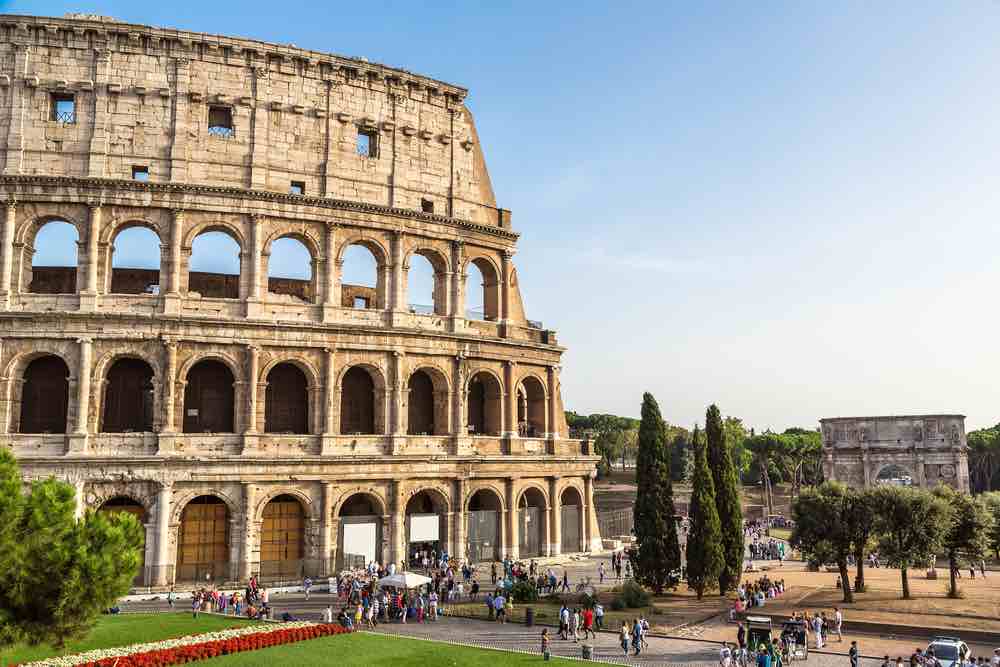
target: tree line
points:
(714, 548)
(908, 527)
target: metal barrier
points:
(615, 522)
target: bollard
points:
(529, 617)
(588, 652)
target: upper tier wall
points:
(142, 98)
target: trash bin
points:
(529, 617)
(588, 652)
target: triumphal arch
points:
(259, 421)
(923, 450)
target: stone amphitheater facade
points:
(258, 425)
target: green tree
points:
(860, 510)
(680, 456)
(992, 501)
(58, 573)
(736, 435)
(823, 527)
(764, 449)
(727, 499)
(658, 552)
(704, 543)
(967, 535)
(912, 524)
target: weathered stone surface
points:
(143, 97)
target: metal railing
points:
(222, 131)
(64, 117)
(615, 522)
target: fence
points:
(615, 522)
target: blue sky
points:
(787, 209)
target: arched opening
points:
(135, 262)
(282, 539)
(120, 504)
(571, 520)
(203, 541)
(482, 295)
(360, 532)
(357, 403)
(286, 400)
(531, 523)
(484, 405)
(44, 396)
(531, 408)
(895, 475)
(420, 404)
(426, 528)
(483, 533)
(214, 268)
(128, 397)
(427, 283)
(361, 283)
(290, 270)
(208, 398)
(55, 259)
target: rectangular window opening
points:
(220, 121)
(427, 205)
(361, 303)
(367, 143)
(297, 188)
(63, 107)
(140, 173)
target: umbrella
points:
(405, 580)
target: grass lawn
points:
(373, 650)
(125, 629)
(781, 533)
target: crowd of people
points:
(752, 594)
(253, 602)
(926, 658)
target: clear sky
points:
(786, 209)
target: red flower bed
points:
(212, 649)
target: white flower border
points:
(119, 651)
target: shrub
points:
(617, 604)
(524, 591)
(634, 596)
(588, 601)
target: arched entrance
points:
(571, 521)
(426, 528)
(360, 531)
(121, 504)
(894, 475)
(484, 405)
(286, 400)
(531, 409)
(203, 541)
(128, 398)
(357, 403)
(531, 523)
(282, 539)
(483, 534)
(208, 398)
(44, 396)
(420, 408)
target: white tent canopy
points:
(405, 580)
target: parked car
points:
(949, 651)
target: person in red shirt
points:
(588, 623)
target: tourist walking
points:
(307, 585)
(623, 638)
(854, 654)
(838, 622)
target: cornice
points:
(128, 37)
(247, 194)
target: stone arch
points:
(380, 501)
(491, 286)
(370, 297)
(287, 399)
(210, 390)
(484, 392)
(309, 508)
(48, 279)
(27, 230)
(299, 361)
(284, 537)
(573, 517)
(287, 286)
(135, 498)
(532, 520)
(484, 510)
(533, 486)
(43, 394)
(197, 357)
(426, 413)
(369, 524)
(440, 266)
(128, 401)
(894, 472)
(487, 487)
(126, 280)
(532, 403)
(426, 499)
(205, 550)
(187, 496)
(355, 410)
(208, 284)
(373, 244)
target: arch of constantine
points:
(256, 422)
(923, 450)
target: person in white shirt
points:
(838, 622)
(725, 655)
(996, 657)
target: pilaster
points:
(168, 391)
(7, 253)
(163, 565)
(172, 299)
(89, 295)
(97, 164)
(78, 439)
(513, 527)
(331, 291)
(555, 517)
(253, 302)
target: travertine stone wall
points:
(142, 97)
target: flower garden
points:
(194, 647)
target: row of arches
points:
(128, 400)
(137, 259)
(206, 530)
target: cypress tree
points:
(727, 500)
(704, 544)
(658, 551)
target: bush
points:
(603, 469)
(588, 601)
(523, 591)
(634, 596)
(617, 604)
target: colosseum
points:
(259, 423)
